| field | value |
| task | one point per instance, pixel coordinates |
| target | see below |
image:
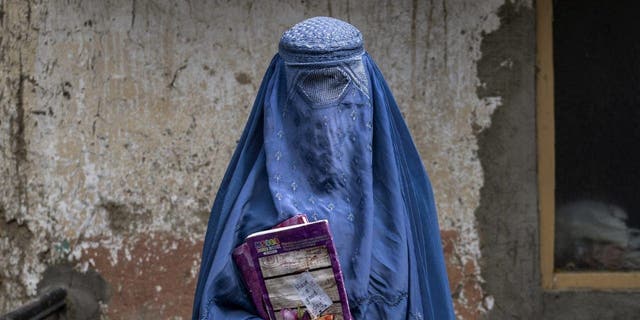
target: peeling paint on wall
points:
(119, 119)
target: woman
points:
(326, 138)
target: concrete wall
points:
(118, 119)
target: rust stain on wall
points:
(464, 280)
(155, 279)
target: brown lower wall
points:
(156, 278)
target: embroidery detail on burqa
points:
(320, 39)
(417, 315)
(380, 299)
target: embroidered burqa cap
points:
(326, 138)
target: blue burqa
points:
(326, 138)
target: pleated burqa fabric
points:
(326, 138)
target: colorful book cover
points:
(244, 260)
(292, 273)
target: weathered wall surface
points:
(508, 212)
(118, 119)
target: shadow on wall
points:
(65, 293)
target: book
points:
(292, 272)
(245, 263)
